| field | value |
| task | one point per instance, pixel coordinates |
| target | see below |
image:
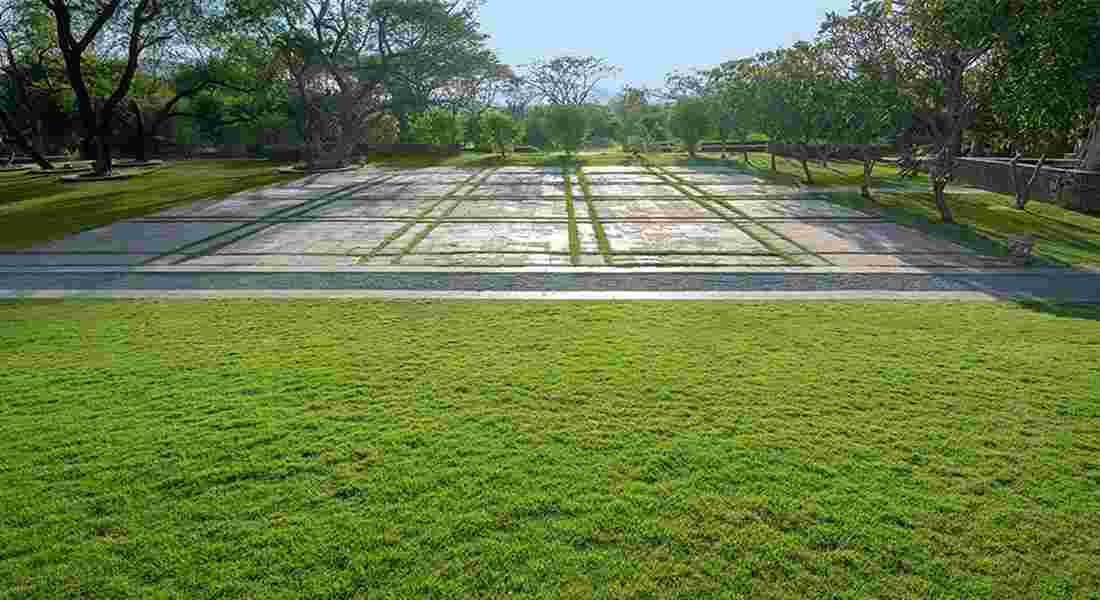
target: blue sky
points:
(648, 38)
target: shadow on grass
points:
(1062, 310)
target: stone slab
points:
(273, 260)
(72, 260)
(246, 204)
(139, 237)
(492, 238)
(374, 208)
(520, 190)
(511, 209)
(719, 179)
(629, 190)
(717, 260)
(616, 169)
(803, 209)
(485, 260)
(316, 237)
(514, 179)
(652, 209)
(875, 238)
(530, 170)
(700, 238)
(625, 178)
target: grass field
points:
(37, 208)
(259, 449)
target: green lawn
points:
(442, 450)
(36, 208)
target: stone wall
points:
(994, 175)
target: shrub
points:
(438, 127)
(500, 129)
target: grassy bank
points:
(37, 208)
(237, 449)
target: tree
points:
(501, 128)
(518, 96)
(136, 27)
(429, 50)
(729, 86)
(437, 126)
(796, 99)
(568, 80)
(629, 107)
(568, 127)
(27, 66)
(691, 121)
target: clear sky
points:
(649, 38)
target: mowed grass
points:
(440, 450)
(36, 208)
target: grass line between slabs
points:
(729, 206)
(574, 235)
(257, 226)
(703, 202)
(420, 217)
(472, 182)
(597, 226)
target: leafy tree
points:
(502, 129)
(437, 126)
(135, 27)
(568, 80)
(691, 120)
(536, 127)
(568, 127)
(630, 108)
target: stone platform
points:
(622, 217)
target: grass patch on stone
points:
(39, 209)
(432, 449)
(594, 216)
(574, 235)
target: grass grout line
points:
(597, 226)
(702, 201)
(473, 181)
(574, 233)
(288, 212)
(730, 207)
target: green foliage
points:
(568, 127)
(501, 128)
(691, 120)
(383, 128)
(437, 126)
(537, 131)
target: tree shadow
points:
(1063, 310)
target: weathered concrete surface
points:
(513, 216)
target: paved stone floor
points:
(511, 217)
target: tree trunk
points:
(103, 162)
(22, 143)
(868, 168)
(1091, 160)
(806, 164)
(941, 202)
(1023, 193)
(773, 162)
(746, 154)
(140, 153)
